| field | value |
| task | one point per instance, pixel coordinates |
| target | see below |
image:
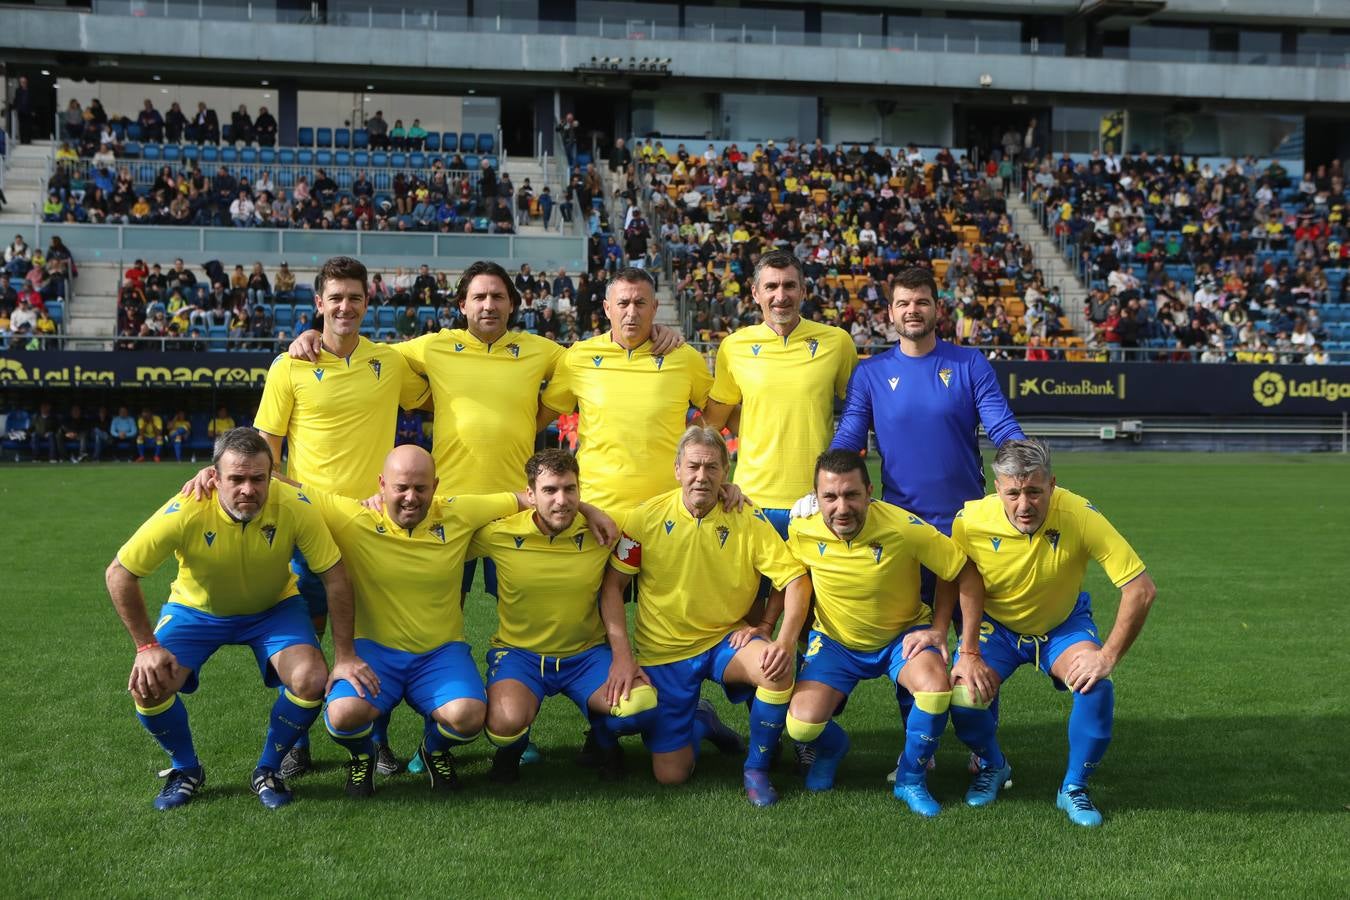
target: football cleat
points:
(588, 757)
(296, 763)
(361, 776)
(386, 763)
(932, 764)
(440, 769)
(179, 787)
(718, 734)
(505, 766)
(758, 788)
(986, 784)
(820, 777)
(531, 756)
(1074, 800)
(270, 788)
(806, 755)
(916, 797)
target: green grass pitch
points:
(1226, 777)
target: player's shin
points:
(357, 742)
(927, 720)
(291, 717)
(768, 716)
(437, 738)
(975, 724)
(168, 724)
(1089, 732)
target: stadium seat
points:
(17, 420)
(323, 157)
(361, 158)
(385, 334)
(368, 320)
(131, 150)
(486, 142)
(468, 142)
(119, 130)
(285, 178)
(210, 154)
(583, 159)
(267, 156)
(216, 337)
(360, 139)
(398, 160)
(342, 158)
(191, 152)
(227, 134)
(199, 441)
(57, 310)
(304, 157)
(134, 132)
(384, 317)
(152, 151)
(286, 156)
(324, 137)
(472, 163)
(368, 333)
(417, 160)
(342, 138)
(283, 316)
(450, 142)
(433, 142)
(248, 155)
(305, 137)
(229, 156)
(379, 159)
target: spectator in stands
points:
(567, 129)
(258, 289)
(1317, 356)
(621, 157)
(220, 423)
(43, 431)
(377, 131)
(284, 283)
(502, 222)
(73, 121)
(121, 432)
(417, 135)
(265, 128)
(523, 198)
(17, 258)
(207, 124)
(152, 124)
(242, 211)
(72, 438)
(423, 288)
(175, 124)
(241, 126)
(398, 136)
(405, 326)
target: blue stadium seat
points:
(57, 310)
(398, 160)
(248, 155)
(361, 158)
(323, 157)
(424, 311)
(285, 178)
(472, 163)
(267, 156)
(191, 152)
(17, 420)
(379, 159)
(305, 137)
(343, 158)
(384, 317)
(286, 156)
(385, 334)
(210, 154)
(342, 138)
(583, 159)
(172, 151)
(134, 132)
(304, 157)
(216, 335)
(368, 333)
(360, 139)
(119, 130)
(486, 143)
(468, 142)
(450, 142)
(199, 440)
(368, 320)
(283, 316)
(433, 142)
(152, 151)
(131, 150)
(417, 160)
(324, 137)
(229, 156)
(491, 161)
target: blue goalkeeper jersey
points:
(925, 411)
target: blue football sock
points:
(831, 740)
(438, 738)
(634, 724)
(768, 715)
(922, 731)
(303, 739)
(291, 717)
(357, 741)
(380, 727)
(1089, 732)
(601, 729)
(178, 450)
(906, 702)
(168, 724)
(978, 729)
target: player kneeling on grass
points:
(864, 561)
(234, 586)
(701, 565)
(551, 634)
(1031, 542)
(409, 626)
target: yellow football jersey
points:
(150, 428)
(547, 586)
(485, 397)
(787, 387)
(338, 415)
(698, 577)
(867, 589)
(407, 582)
(226, 567)
(1031, 582)
(633, 410)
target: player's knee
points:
(929, 679)
(964, 698)
(506, 720)
(672, 771)
(308, 680)
(935, 703)
(150, 703)
(349, 714)
(463, 716)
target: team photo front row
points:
(786, 627)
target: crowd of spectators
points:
(77, 435)
(33, 280)
(1190, 261)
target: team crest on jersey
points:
(946, 376)
(514, 350)
(173, 507)
(1052, 535)
(812, 345)
(723, 532)
(893, 382)
(597, 360)
(755, 348)
(300, 495)
(670, 526)
(820, 547)
(579, 538)
(660, 361)
(318, 374)
(210, 538)
(439, 531)
(520, 541)
(269, 533)
(375, 367)
(459, 348)
(995, 541)
(875, 547)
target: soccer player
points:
(700, 566)
(149, 435)
(234, 586)
(551, 636)
(1031, 542)
(864, 562)
(785, 374)
(924, 401)
(409, 624)
(633, 401)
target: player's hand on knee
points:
(916, 642)
(201, 485)
(972, 671)
(733, 498)
(624, 675)
(742, 637)
(776, 661)
(806, 506)
(305, 346)
(1086, 669)
(152, 672)
(356, 672)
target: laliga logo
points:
(1268, 389)
(12, 370)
